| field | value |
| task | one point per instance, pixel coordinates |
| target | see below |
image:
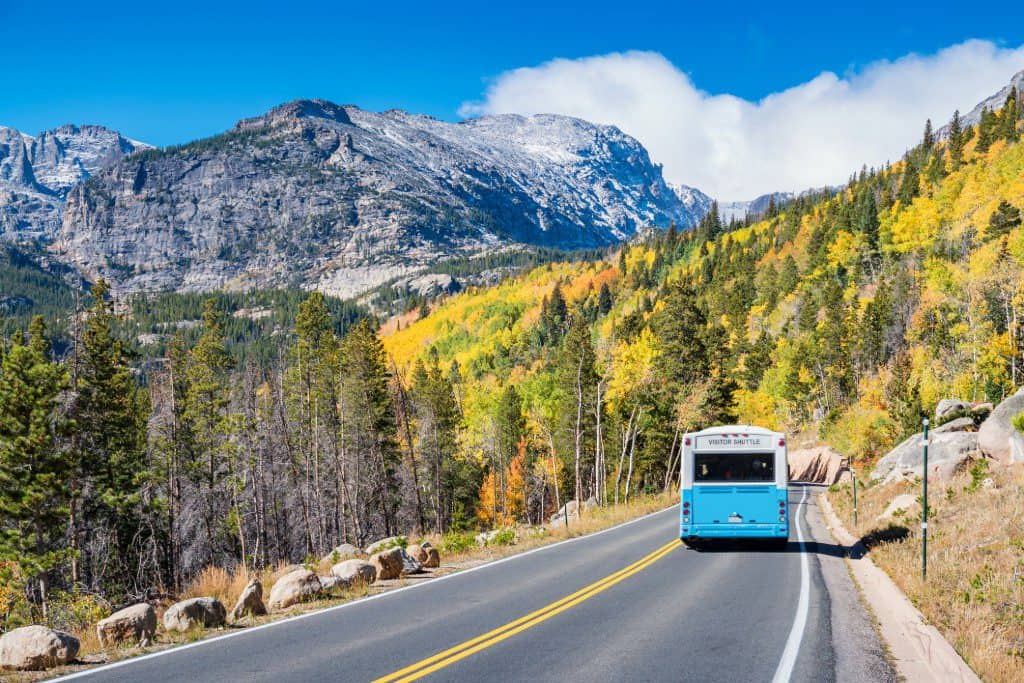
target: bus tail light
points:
(782, 519)
(782, 442)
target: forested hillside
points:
(848, 313)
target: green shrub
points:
(1018, 423)
(457, 541)
(978, 471)
(503, 537)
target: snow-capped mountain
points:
(334, 197)
(696, 202)
(994, 102)
(740, 209)
(36, 173)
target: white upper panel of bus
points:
(736, 438)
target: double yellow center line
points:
(454, 654)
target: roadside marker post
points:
(854, 473)
(924, 507)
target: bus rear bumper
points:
(694, 531)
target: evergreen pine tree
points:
(604, 299)
(910, 186)
(1005, 218)
(111, 415)
(956, 142)
(34, 469)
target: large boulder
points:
(570, 511)
(960, 424)
(250, 602)
(35, 648)
(389, 563)
(997, 437)
(355, 571)
(194, 613)
(410, 565)
(344, 551)
(820, 465)
(294, 587)
(425, 554)
(132, 624)
(385, 544)
(946, 453)
(950, 406)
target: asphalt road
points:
(628, 604)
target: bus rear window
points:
(733, 467)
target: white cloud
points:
(815, 133)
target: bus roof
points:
(734, 429)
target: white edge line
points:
(181, 648)
(796, 633)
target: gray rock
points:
(344, 551)
(948, 406)
(352, 571)
(908, 456)
(960, 424)
(410, 565)
(294, 587)
(134, 624)
(35, 648)
(250, 602)
(194, 613)
(389, 563)
(425, 554)
(571, 510)
(996, 435)
(385, 543)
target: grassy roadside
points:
(974, 593)
(227, 585)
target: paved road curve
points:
(626, 604)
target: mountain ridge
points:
(321, 195)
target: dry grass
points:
(226, 585)
(974, 593)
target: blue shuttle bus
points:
(735, 480)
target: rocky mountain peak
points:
(341, 199)
(36, 173)
(295, 110)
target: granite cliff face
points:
(36, 173)
(320, 195)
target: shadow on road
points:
(755, 545)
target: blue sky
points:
(169, 72)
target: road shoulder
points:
(860, 654)
(919, 651)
